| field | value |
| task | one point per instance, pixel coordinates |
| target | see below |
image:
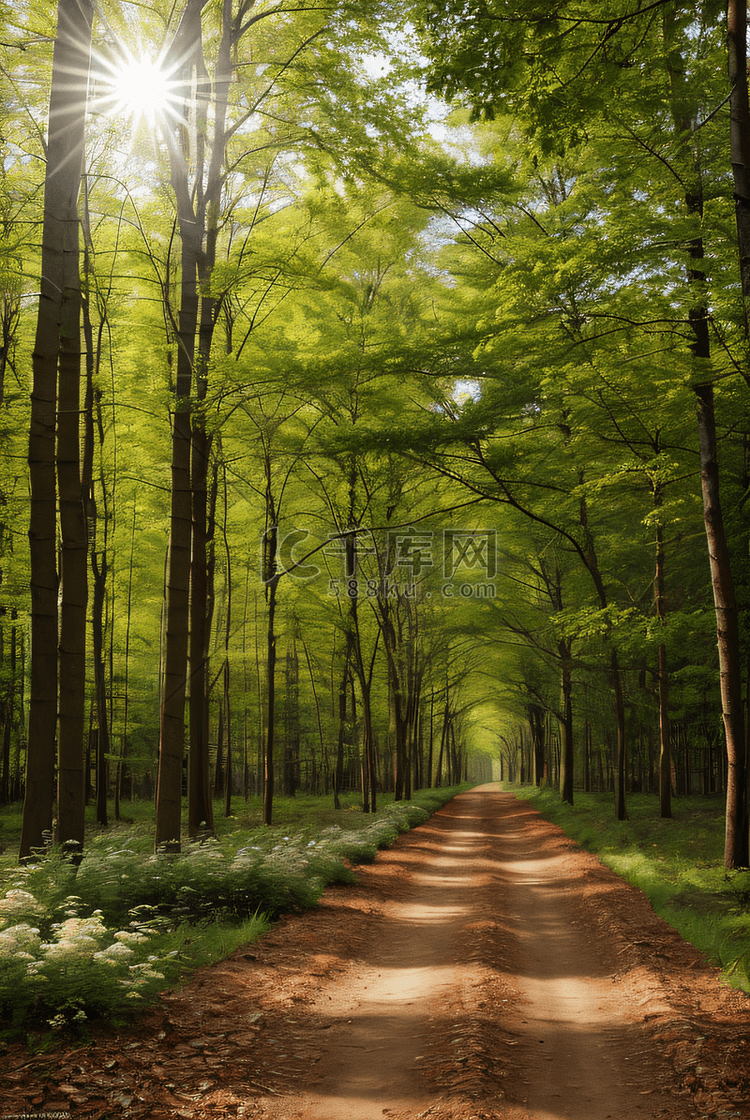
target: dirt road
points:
(498, 979)
(483, 969)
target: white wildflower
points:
(17, 903)
(114, 954)
(75, 938)
(20, 942)
(130, 937)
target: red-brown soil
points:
(485, 968)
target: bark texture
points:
(56, 333)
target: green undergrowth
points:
(676, 862)
(102, 939)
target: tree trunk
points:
(228, 724)
(93, 420)
(102, 777)
(727, 630)
(59, 299)
(343, 694)
(535, 717)
(172, 714)
(620, 750)
(186, 52)
(291, 722)
(737, 840)
(739, 140)
(364, 675)
(620, 760)
(443, 738)
(73, 571)
(566, 722)
(431, 738)
(727, 634)
(200, 808)
(665, 748)
(271, 697)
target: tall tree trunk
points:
(727, 627)
(443, 738)
(73, 569)
(398, 712)
(200, 809)
(739, 139)
(662, 674)
(727, 635)
(621, 745)
(93, 420)
(535, 717)
(228, 726)
(227, 638)
(121, 762)
(343, 708)
(620, 759)
(430, 747)
(364, 674)
(587, 756)
(186, 53)
(566, 721)
(172, 714)
(318, 715)
(737, 838)
(58, 303)
(370, 791)
(202, 598)
(291, 722)
(100, 693)
(271, 701)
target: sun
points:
(141, 90)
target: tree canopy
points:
(391, 413)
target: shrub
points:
(137, 920)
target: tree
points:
(562, 86)
(207, 150)
(58, 344)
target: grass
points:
(677, 863)
(138, 817)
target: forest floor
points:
(484, 968)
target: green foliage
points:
(676, 862)
(67, 968)
(103, 939)
(404, 326)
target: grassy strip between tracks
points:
(677, 863)
(102, 939)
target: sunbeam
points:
(141, 90)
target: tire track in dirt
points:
(586, 1030)
(536, 1018)
(380, 1015)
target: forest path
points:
(484, 968)
(491, 983)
